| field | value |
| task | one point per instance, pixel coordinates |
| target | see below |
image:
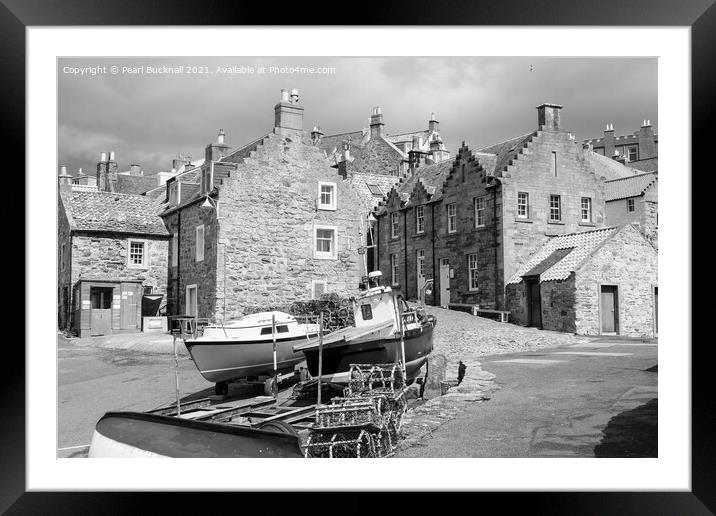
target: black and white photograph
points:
(385, 258)
(410, 257)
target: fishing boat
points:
(243, 348)
(386, 330)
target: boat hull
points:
(226, 360)
(140, 435)
(338, 357)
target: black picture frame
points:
(700, 15)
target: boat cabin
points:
(378, 303)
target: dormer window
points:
(326, 196)
(207, 179)
(174, 192)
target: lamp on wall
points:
(209, 204)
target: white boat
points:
(243, 348)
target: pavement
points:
(592, 399)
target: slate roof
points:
(136, 184)
(632, 186)
(503, 152)
(608, 167)
(113, 213)
(645, 165)
(553, 265)
(360, 182)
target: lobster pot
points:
(369, 377)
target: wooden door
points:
(534, 304)
(609, 308)
(101, 310)
(444, 282)
(129, 306)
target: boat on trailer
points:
(243, 348)
(386, 330)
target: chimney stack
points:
(213, 152)
(548, 117)
(316, 135)
(288, 115)
(135, 170)
(433, 124)
(64, 179)
(107, 173)
(647, 141)
(376, 123)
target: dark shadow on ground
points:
(632, 433)
(653, 369)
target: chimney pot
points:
(220, 138)
(102, 157)
(63, 170)
(294, 95)
(111, 155)
(284, 95)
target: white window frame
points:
(175, 249)
(420, 219)
(394, 271)
(186, 299)
(452, 226)
(334, 195)
(313, 288)
(199, 249)
(394, 225)
(420, 262)
(322, 255)
(558, 208)
(145, 253)
(472, 271)
(588, 209)
(525, 205)
(175, 186)
(479, 211)
(631, 205)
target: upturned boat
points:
(386, 330)
(243, 348)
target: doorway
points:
(609, 305)
(444, 282)
(101, 310)
(534, 303)
(191, 302)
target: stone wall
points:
(628, 261)
(265, 236)
(64, 268)
(101, 256)
(558, 305)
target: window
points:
(268, 330)
(137, 257)
(325, 242)
(630, 204)
(394, 225)
(479, 212)
(586, 209)
(555, 208)
(633, 153)
(421, 262)
(554, 163)
(393, 269)
(318, 288)
(420, 219)
(366, 311)
(174, 193)
(326, 196)
(199, 254)
(175, 249)
(451, 218)
(207, 181)
(523, 205)
(472, 271)
(375, 190)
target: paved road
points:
(593, 399)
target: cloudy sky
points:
(148, 118)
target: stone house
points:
(597, 282)
(261, 225)
(639, 150)
(112, 251)
(471, 222)
(635, 200)
(373, 151)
